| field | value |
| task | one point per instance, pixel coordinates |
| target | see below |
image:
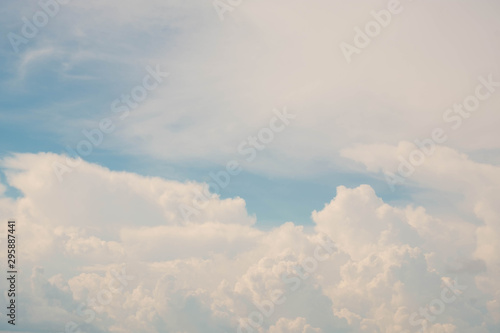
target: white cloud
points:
(226, 77)
(238, 71)
(211, 274)
(297, 325)
(448, 171)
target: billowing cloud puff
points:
(109, 251)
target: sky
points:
(279, 166)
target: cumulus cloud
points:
(130, 263)
(449, 171)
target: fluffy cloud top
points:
(130, 263)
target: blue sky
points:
(339, 112)
(45, 107)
